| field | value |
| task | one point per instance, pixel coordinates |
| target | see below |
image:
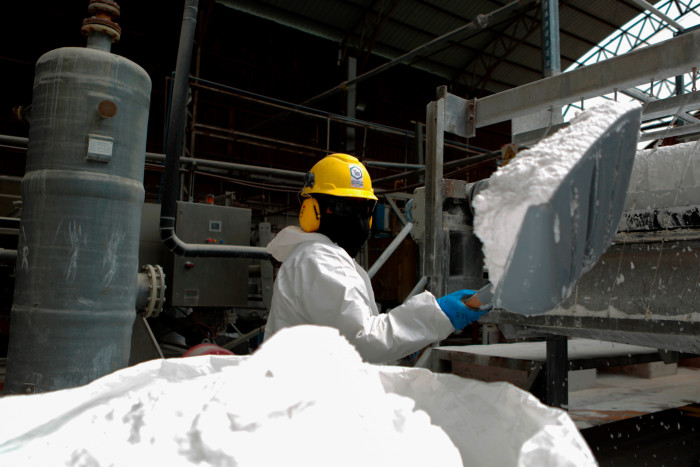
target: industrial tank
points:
(77, 262)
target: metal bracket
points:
(470, 118)
(455, 188)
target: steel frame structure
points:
(456, 115)
(640, 32)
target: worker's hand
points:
(459, 314)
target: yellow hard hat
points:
(339, 175)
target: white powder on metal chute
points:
(531, 179)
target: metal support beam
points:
(390, 250)
(653, 109)
(420, 147)
(457, 35)
(557, 370)
(647, 6)
(434, 195)
(658, 108)
(395, 208)
(684, 130)
(670, 58)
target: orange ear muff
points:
(310, 215)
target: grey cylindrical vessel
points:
(82, 193)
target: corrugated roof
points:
(499, 57)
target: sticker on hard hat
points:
(356, 177)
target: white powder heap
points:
(305, 398)
(531, 179)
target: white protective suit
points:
(320, 284)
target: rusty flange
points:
(103, 12)
(99, 7)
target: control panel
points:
(200, 281)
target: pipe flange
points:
(105, 26)
(155, 284)
(98, 7)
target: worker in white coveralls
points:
(320, 283)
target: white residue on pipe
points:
(531, 178)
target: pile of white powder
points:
(531, 179)
(305, 398)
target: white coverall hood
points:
(318, 283)
(284, 243)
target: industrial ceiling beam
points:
(659, 108)
(456, 35)
(670, 58)
(647, 6)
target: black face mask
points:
(349, 232)
(346, 221)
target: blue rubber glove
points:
(459, 314)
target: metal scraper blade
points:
(561, 240)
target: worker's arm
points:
(334, 293)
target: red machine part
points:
(206, 349)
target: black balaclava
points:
(350, 232)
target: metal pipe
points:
(393, 164)
(177, 117)
(244, 338)
(692, 129)
(14, 140)
(389, 250)
(173, 149)
(230, 166)
(8, 256)
(470, 160)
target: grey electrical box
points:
(219, 282)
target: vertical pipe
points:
(351, 103)
(173, 149)
(176, 122)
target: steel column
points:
(557, 372)
(551, 59)
(434, 195)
